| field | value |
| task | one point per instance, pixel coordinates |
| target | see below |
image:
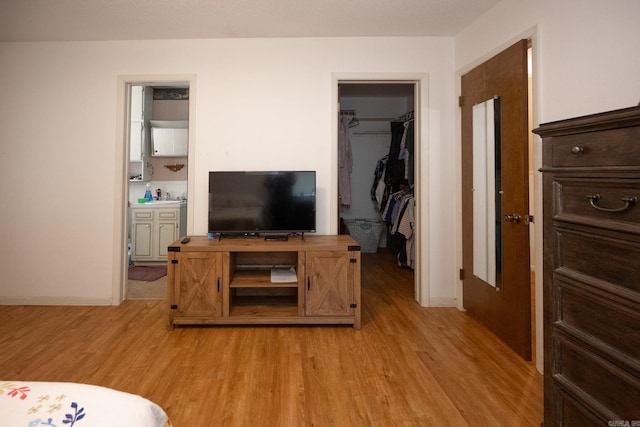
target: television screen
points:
(276, 202)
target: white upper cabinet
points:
(169, 138)
(137, 124)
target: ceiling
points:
(93, 20)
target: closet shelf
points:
(404, 118)
(376, 119)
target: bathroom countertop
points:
(159, 204)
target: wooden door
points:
(329, 284)
(504, 309)
(198, 277)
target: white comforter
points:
(32, 403)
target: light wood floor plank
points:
(407, 366)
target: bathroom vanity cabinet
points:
(154, 226)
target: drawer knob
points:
(577, 150)
(628, 202)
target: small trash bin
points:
(366, 232)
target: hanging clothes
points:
(392, 191)
(345, 162)
(406, 227)
(378, 186)
(395, 166)
(399, 214)
(410, 149)
(399, 164)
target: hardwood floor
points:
(407, 366)
(137, 289)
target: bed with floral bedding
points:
(59, 404)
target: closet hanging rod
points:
(373, 132)
(405, 117)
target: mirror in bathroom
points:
(487, 209)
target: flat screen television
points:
(262, 203)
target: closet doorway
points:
(377, 144)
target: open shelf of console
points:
(253, 293)
(230, 282)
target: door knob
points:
(515, 218)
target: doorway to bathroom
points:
(157, 170)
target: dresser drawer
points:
(601, 258)
(601, 318)
(617, 147)
(586, 377)
(610, 203)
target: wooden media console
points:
(244, 281)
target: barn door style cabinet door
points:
(310, 280)
(330, 283)
(591, 176)
(196, 277)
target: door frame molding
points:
(121, 169)
(420, 80)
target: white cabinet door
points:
(142, 234)
(136, 124)
(142, 238)
(167, 234)
(169, 142)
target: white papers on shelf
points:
(282, 275)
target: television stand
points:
(229, 282)
(238, 236)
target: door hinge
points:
(461, 274)
(174, 306)
(174, 261)
(353, 305)
(353, 260)
(460, 101)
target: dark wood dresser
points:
(591, 203)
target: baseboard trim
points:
(442, 302)
(44, 300)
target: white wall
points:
(585, 61)
(585, 51)
(256, 104)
